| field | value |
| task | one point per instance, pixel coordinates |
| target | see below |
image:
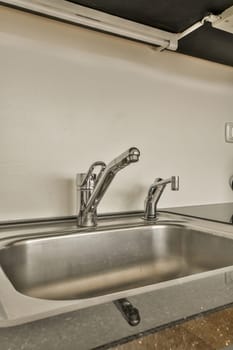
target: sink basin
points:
(49, 268)
(92, 264)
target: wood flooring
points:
(208, 332)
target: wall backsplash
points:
(70, 96)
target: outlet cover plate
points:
(229, 132)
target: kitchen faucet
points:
(92, 187)
(155, 192)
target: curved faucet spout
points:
(155, 192)
(87, 215)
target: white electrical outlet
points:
(229, 132)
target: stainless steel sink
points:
(47, 270)
(92, 264)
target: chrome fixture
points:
(155, 192)
(128, 311)
(231, 182)
(91, 187)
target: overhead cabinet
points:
(200, 28)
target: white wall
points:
(70, 96)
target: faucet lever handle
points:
(102, 166)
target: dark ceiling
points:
(175, 16)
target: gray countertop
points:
(102, 326)
(221, 212)
(98, 326)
